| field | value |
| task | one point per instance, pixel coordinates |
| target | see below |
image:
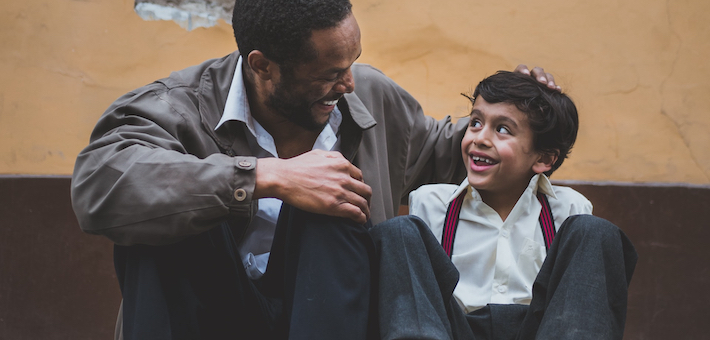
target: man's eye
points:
(333, 78)
(503, 129)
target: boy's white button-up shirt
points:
(497, 260)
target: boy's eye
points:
(503, 130)
(476, 123)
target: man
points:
(187, 175)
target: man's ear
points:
(545, 162)
(261, 66)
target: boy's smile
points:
(498, 150)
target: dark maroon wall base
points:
(58, 283)
(670, 227)
(55, 281)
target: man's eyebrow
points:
(338, 69)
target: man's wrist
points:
(267, 178)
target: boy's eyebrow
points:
(508, 120)
(497, 119)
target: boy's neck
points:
(503, 201)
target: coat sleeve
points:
(432, 148)
(420, 149)
(434, 153)
(139, 182)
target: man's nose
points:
(346, 83)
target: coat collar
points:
(212, 96)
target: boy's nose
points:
(482, 139)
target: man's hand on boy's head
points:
(540, 75)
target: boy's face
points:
(498, 149)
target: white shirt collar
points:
(539, 182)
(237, 108)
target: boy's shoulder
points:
(433, 196)
(571, 200)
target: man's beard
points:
(296, 110)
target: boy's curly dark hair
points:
(552, 115)
(281, 28)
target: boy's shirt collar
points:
(538, 183)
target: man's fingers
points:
(362, 204)
(355, 173)
(551, 82)
(354, 213)
(522, 69)
(362, 190)
(540, 75)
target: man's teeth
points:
(481, 159)
(328, 103)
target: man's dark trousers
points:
(317, 285)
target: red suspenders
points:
(451, 223)
(547, 223)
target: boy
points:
(497, 228)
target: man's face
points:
(307, 93)
(498, 149)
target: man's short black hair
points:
(281, 28)
(552, 115)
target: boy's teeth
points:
(481, 159)
(328, 103)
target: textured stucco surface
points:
(637, 70)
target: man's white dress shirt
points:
(256, 245)
(497, 260)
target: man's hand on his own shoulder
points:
(540, 75)
(318, 181)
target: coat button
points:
(244, 164)
(240, 194)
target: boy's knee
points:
(406, 227)
(587, 227)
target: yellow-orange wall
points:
(637, 69)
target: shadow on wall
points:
(58, 283)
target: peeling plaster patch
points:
(187, 14)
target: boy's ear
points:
(261, 66)
(545, 162)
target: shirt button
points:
(505, 233)
(502, 289)
(244, 164)
(240, 194)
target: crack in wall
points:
(189, 14)
(662, 92)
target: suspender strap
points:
(451, 223)
(547, 223)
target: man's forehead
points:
(342, 40)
